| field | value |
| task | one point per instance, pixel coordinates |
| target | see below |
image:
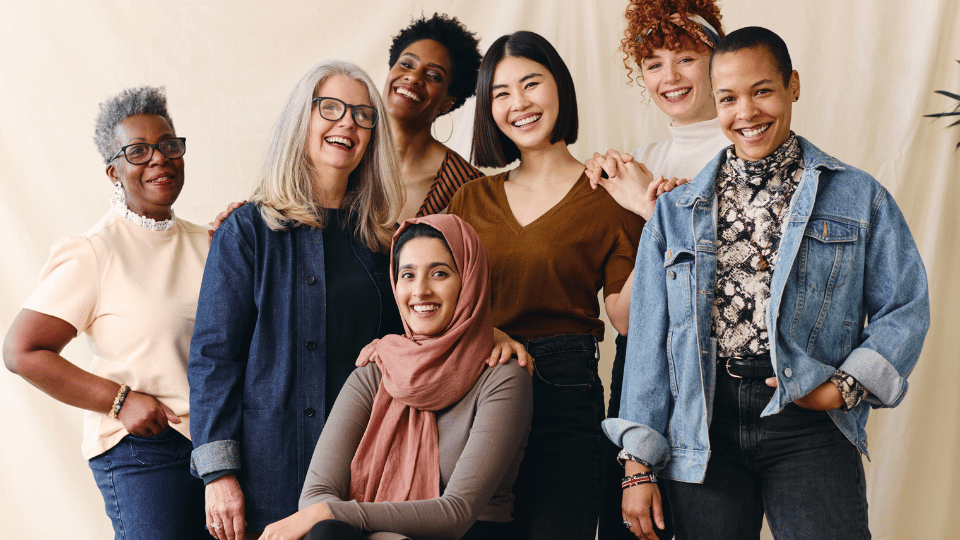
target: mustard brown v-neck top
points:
(545, 276)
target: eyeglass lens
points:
(333, 109)
(140, 153)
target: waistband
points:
(754, 366)
(558, 344)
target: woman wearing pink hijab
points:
(427, 442)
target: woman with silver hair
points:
(296, 285)
(130, 284)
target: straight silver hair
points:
(374, 193)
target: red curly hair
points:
(650, 19)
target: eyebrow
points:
(417, 58)
(754, 85)
(522, 79)
(429, 266)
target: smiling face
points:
(753, 104)
(525, 102)
(428, 285)
(417, 85)
(150, 188)
(679, 82)
(337, 146)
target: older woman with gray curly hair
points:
(130, 284)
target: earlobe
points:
(112, 173)
(795, 85)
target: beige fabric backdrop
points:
(868, 70)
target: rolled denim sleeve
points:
(645, 399)
(897, 305)
(226, 315)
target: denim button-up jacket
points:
(257, 367)
(845, 258)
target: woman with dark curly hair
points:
(433, 71)
(671, 43)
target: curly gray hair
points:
(131, 101)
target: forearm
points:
(65, 382)
(618, 307)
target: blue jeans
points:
(147, 488)
(796, 467)
(557, 488)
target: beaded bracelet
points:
(118, 401)
(639, 478)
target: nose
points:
(746, 110)
(672, 74)
(421, 288)
(158, 158)
(414, 76)
(346, 121)
(520, 100)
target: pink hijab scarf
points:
(398, 458)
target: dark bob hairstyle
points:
(462, 44)
(491, 148)
(756, 37)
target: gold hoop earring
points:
(434, 125)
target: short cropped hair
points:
(756, 37)
(462, 45)
(131, 101)
(491, 148)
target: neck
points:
(412, 141)
(705, 115)
(329, 188)
(551, 164)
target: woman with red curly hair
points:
(671, 43)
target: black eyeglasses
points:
(140, 153)
(333, 109)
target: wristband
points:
(637, 479)
(118, 401)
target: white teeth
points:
(339, 140)
(753, 132)
(424, 308)
(168, 177)
(406, 93)
(676, 93)
(527, 120)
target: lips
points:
(162, 178)
(408, 94)
(425, 309)
(676, 94)
(526, 120)
(754, 131)
(337, 140)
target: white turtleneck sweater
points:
(686, 153)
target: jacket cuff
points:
(877, 375)
(214, 457)
(638, 440)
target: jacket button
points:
(309, 412)
(311, 280)
(672, 275)
(788, 372)
(311, 345)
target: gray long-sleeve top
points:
(481, 440)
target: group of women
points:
(234, 407)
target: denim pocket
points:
(167, 447)
(824, 260)
(565, 361)
(678, 271)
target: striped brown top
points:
(454, 172)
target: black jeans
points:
(611, 494)
(557, 489)
(795, 466)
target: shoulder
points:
(842, 187)
(478, 192)
(364, 380)
(192, 228)
(509, 378)
(456, 165)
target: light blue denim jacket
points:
(846, 257)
